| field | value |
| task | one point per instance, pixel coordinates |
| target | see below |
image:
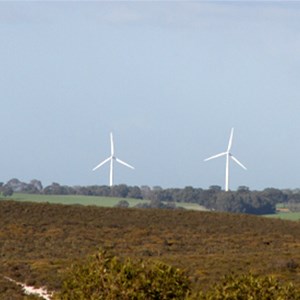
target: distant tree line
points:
(214, 198)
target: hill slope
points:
(38, 241)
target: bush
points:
(246, 287)
(104, 276)
(7, 191)
(122, 204)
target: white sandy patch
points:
(31, 290)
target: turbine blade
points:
(215, 156)
(238, 162)
(112, 148)
(230, 140)
(102, 163)
(124, 163)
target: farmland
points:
(112, 201)
(88, 200)
(292, 216)
(73, 199)
(40, 240)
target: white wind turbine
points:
(228, 156)
(111, 159)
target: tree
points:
(120, 190)
(215, 188)
(16, 185)
(146, 191)
(7, 191)
(243, 189)
(157, 188)
(275, 195)
(295, 198)
(259, 205)
(134, 192)
(228, 201)
(162, 195)
(188, 194)
(250, 203)
(56, 189)
(37, 184)
(293, 206)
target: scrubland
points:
(39, 241)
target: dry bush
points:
(249, 287)
(106, 277)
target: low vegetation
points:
(249, 286)
(39, 241)
(107, 277)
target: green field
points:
(90, 200)
(284, 215)
(111, 202)
(292, 216)
(192, 206)
(73, 199)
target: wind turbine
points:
(112, 158)
(228, 155)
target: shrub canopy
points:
(104, 276)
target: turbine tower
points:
(112, 158)
(228, 155)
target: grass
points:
(292, 216)
(89, 200)
(284, 215)
(191, 206)
(73, 199)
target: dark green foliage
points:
(243, 189)
(275, 195)
(7, 191)
(106, 277)
(34, 187)
(134, 192)
(215, 188)
(243, 202)
(120, 190)
(56, 189)
(250, 287)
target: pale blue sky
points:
(169, 79)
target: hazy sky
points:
(169, 79)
